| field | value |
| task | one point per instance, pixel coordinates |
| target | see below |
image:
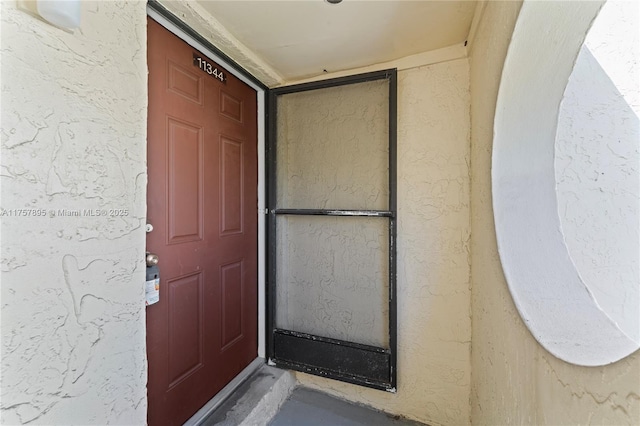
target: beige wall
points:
(433, 261)
(73, 140)
(514, 380)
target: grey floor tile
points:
(307, 407)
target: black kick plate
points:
(359, 364)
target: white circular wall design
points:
(552, 298)
(597, 163)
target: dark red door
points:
(202, 203)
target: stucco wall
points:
(597, 163)
(433, 260)
(514, 380)
(73, 141)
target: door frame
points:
(174, 25)
(318, 355)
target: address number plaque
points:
(210, 68)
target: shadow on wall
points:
(598, 187)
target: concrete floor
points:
(306, 407)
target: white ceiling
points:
(302, 38)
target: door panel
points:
(231, 173)
(185, 158)
(231, 106)
(232, 311)
(185, 327)
(202, 202)
(185, 82)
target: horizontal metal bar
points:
(322, 212)
(333, 82)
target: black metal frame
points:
(373, 367)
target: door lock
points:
(152, 259)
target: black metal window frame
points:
(351, 362)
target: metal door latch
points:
(152, 259)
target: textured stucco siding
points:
(433, 259)
(514, 380)
(597, 164)
(74, 139)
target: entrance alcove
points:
(565, 178)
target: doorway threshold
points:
(253, 397)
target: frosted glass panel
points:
(333, 148)
(332, 277)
